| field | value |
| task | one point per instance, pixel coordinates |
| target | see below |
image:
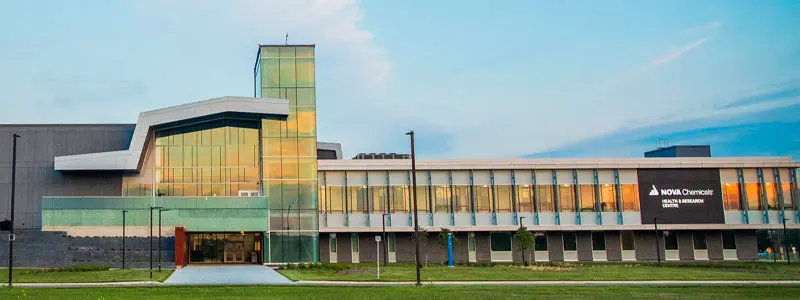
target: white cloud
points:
(704, 28)
(676, 54)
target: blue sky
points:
(472, 78)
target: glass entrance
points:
(225, 248)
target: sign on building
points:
(680, 196)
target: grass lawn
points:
(406, 272)
(34, 275)
(428, 292)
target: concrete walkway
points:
(557, 283)
(226, 275)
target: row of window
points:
(479, 198)
(502, 241)
(757, 196)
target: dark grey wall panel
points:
(746, 245)
(324, 247)
(613, 245)
(555, 245)
(483, 247)
(714, 243)
(645, 243)
(36, 149)
(685, 245)
(584, 245)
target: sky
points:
(473, 79)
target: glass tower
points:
(289, 152)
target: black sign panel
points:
(681, 196)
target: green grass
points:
(427, 292)
(564, 271)
(36, 275)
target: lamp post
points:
(159, 237)
(786, 243)
(658, 244)
(385, 241)
(151, 239)
(123, 238)
(524, 262)
(11, 236)
(414, 195)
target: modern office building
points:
(244, 180)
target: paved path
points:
(555, 283)
(226, 275)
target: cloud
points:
(704, 28)
(676, 54)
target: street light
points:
(385, 241)
(414, 195)
(159, 237)
(11, 236)
(524, 262)
(123, 238)
(151, 239)
(658, 245)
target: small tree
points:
(423, 240)
(443, 240)
(524, 241)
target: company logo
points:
(653, 191)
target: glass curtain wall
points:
(289, 154)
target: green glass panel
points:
(270, 68)
(288, 72)
(306, 97)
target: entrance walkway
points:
(226, 275)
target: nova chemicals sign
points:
(681, 196)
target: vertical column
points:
(556, 200)
(795, 193)
(452, 200)
(494, 197)
(618, 196)
(431, 195)
(370, 208)
(577, 189)
(410, 200)
(327, 199)
(388, 201)
(779, 190)
(514, 204)
(762, 194)
(346, 202)
(472, 196)
(535, 198)
(598, 202)
(743, 196)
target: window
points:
(670, 240)
(524, 198)
(503, 198)
(471, 242)
(462, 199)
(598, 241)
(379, 202)
(728, 240)
(422, 199)
(608, 197)
(754, 196)
(772, 197)
(354, 243)
(442, 198)
(333, 243)
(483, 198)
(566, 198)
(501, 241)
(630, 197)
(570, 241)
(357, 199)
(787, 196)
(699, 240)
(544, 193)
(323, 199)
(540, 241)
(400, 199)
(731, 196)
(335, 199)
(588, 200)
(628, 240)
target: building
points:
(244, 180)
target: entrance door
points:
(243, 247)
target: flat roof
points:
(566, 163)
